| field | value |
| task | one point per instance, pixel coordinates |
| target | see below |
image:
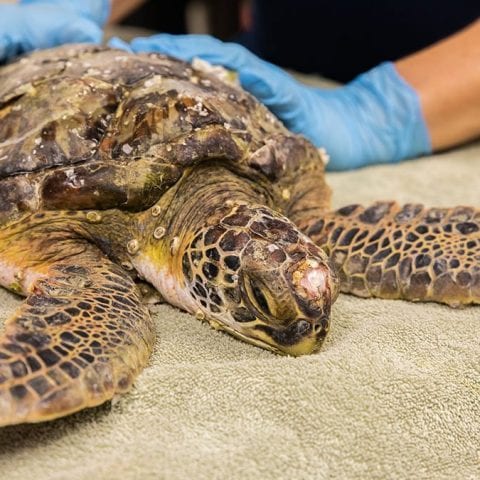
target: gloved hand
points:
(35, 24)
(375, 118)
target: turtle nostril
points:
(321, 324)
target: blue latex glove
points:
(375, 118)
(33, 24)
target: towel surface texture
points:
(394, 392)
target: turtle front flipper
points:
(408, 252)
(81, 336)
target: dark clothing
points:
(160, 16)
(342, 38)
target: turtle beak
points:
(301, 337)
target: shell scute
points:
(86, 127)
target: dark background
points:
(338, 39)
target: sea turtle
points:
(116, 167)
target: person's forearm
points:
(122, 8)
(447, 79)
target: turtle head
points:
(255, 275)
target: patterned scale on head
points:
(140, 167)
(257, 277)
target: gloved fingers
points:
(268, 83)
(290, 100)
(116, 42)
(26, 28)
(187, 47)
(79, 30)
(96, 10)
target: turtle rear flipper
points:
(408, 252)
(81, 336)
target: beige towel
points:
(394, 393)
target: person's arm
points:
(122, 8)
(388, 114)
(447, 79)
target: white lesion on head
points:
(311, 277)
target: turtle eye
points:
(258, 297)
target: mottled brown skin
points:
(408, 252)
(117, 167)
(82, 335)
